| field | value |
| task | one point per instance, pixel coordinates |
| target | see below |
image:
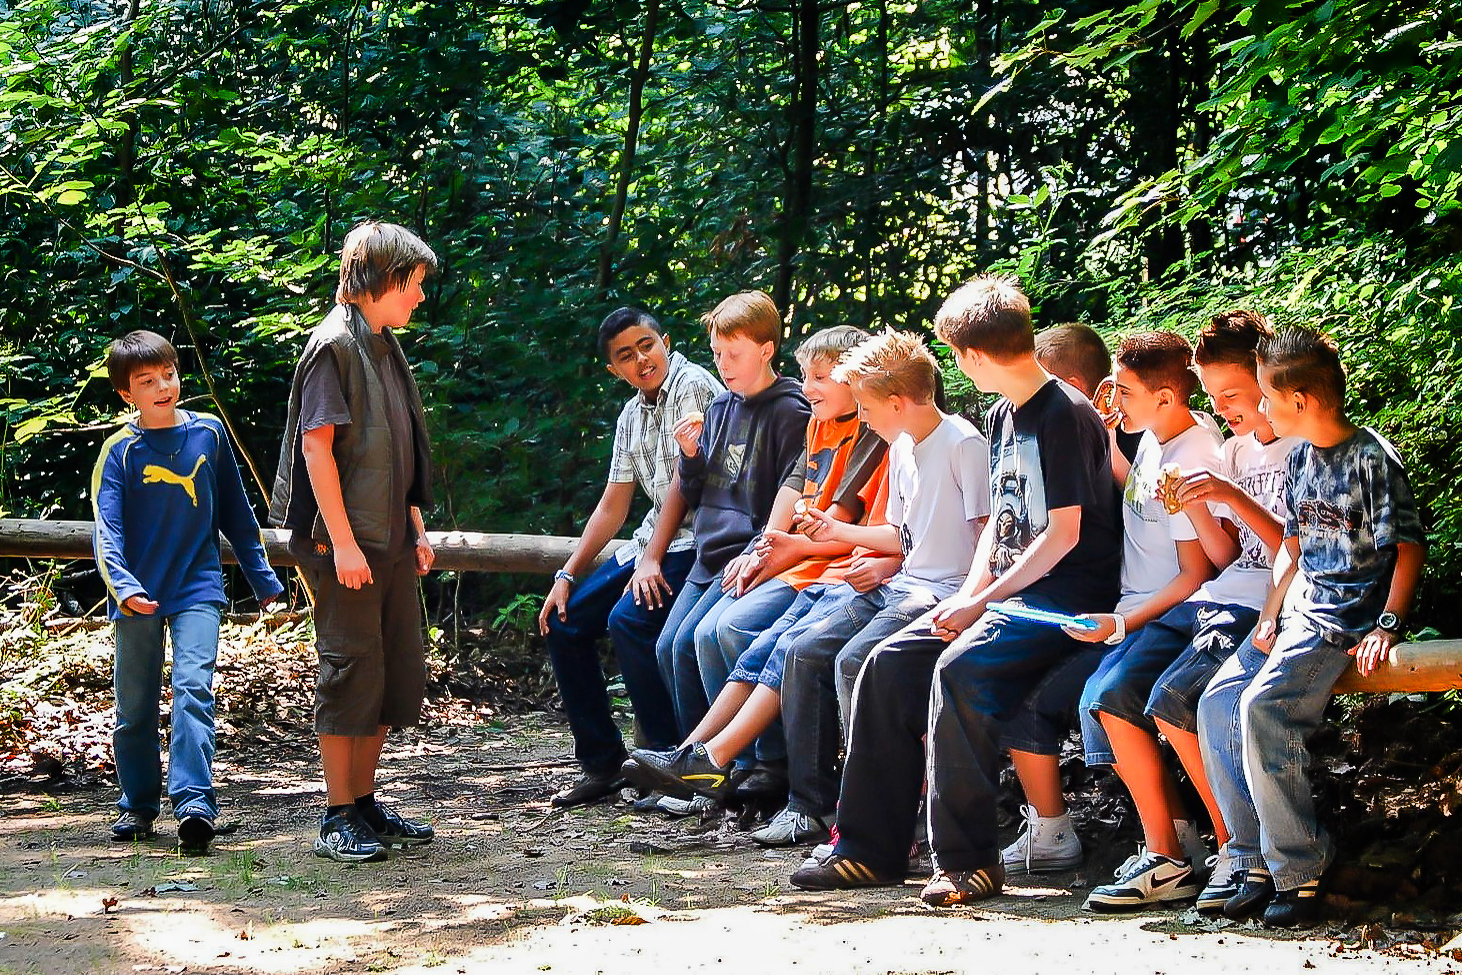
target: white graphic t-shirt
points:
(1258, 469)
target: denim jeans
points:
(597, 605)
(736, 622)
(137, 679)
(676, 654)
(1221, 743)
(1257, 716)
(915, 685)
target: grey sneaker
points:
(694, 806)
(788, 828)
(1044, 844)
(1225, 879)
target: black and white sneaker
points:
(1224, 880)
(1144, 880)
(684, 772)
(392, 830)
(346, 838)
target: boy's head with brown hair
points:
(988, 315)
(745, 330)
(1227, 362)
(1232, 336)
(1300, 373)
(1154, 377)
(1075, 353)
(134, 351)
(894, 377)
(378, 258)
(751, 314)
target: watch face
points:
(1389, 621)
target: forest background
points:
(191, 166)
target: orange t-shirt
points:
(845, 464)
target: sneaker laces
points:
(1027, 835)
(1131, 862)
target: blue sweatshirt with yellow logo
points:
(160, 497)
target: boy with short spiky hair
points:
(733, 462)
(629, 595)
(354, 473)
(1353, 535)
(163, 488)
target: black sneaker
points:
(643, 769)
(1224, 881)
(392, 830)
(1256, 890)
(838, 872)
(131, 826)
(345, 837)
(592, 787)
(684, 772)
(766, 780)
(194, 834)
(1294, 908)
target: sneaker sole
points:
(133, 837)
(795, 839)
(403, 841)
(1048, 865)
(323, 849)
(1212, 905)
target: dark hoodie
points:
(748, 447)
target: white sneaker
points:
(819, 855)
(789, 827)
(1148, 878)
(1044, 844)
(1192, 841)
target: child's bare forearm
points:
(324, 477)
(1410, 560)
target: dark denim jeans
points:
(599, 604)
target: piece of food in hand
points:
(1105, 397)
(802, 520)
(1169, 487)
(695, 416)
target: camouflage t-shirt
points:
(1349, 506)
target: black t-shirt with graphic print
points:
(1052, 453)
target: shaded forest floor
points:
(511, 886)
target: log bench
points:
(1430, 665)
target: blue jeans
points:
(1221, 743)
(1278, 713)
(137, 679)
(676, 653)
(737, 622)
(596, 605)
(1125, 679)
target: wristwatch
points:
(1120, 633)
(565, 575)
(1389, 622)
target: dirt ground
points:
(510, 887)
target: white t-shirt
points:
(1259, 470)
(1149, 533)
(935, 489)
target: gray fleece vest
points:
(362, 447)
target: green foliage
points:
(192, 168)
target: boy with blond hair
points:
(734, 461)
(1353, 543)
(163, 488)
(354, 473)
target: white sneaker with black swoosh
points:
(1145, 880)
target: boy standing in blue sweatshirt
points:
(733, 462)
(163, 488)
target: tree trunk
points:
(1154, 105)
(127, 147)
(797, 198)
(638, 77)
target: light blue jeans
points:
(137, 679)
(1254, 724)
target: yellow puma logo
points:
(155, 474)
